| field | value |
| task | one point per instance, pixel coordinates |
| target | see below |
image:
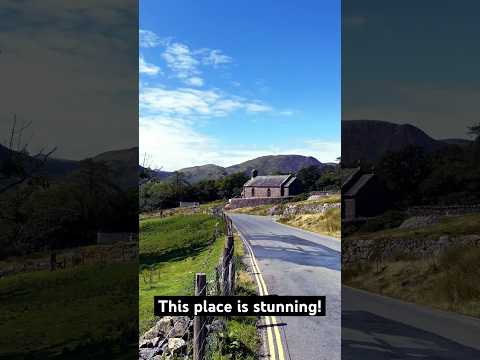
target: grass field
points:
(71, 313)
(172, 250)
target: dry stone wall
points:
(355, 250)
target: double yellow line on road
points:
(270, 321)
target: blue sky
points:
(224, 84)
(412, 62)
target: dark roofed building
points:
(363, 194)
(271, 186)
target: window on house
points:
(253, 192)
(269, 192)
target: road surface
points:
(376, 327)
(296, 262)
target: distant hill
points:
(123, 164)
(280, 164)
(52, 167)
(205, 172)
(369, 140)
(265, 165)
(149, 174)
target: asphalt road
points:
(376, 327)
(295, 262)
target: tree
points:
(17, 165)
(308, 176)
(232, 185)
(403, 171)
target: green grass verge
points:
(67, 313)
(172, 250)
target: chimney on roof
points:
(254, 173)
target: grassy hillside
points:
(70, 313)
(172, 250)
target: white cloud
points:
(194, 81)
(257, 107)
(147, 68)
(173, 144)
(195, 102)
(214, 57)
(180, 60)
(148, 39)
(185, 62)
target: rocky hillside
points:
(369, 140)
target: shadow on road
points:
(368, 336)
(300, 251)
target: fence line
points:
(224, 285)
(204, 340)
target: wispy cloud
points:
(174, 144)
(213, 57)
(195, 102)
(147, 68)
(148, 39)
(180, 60)
(170, 115)
(194, 81)
(184, 62)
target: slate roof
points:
(268, 181)
(364, 179)
(289, 182)
(348, 174)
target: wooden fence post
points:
(199, 322)
(231, 277)
(227, 258)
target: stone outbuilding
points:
(363, 194)
(274, 186)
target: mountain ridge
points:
(265, 165)
(374, 138)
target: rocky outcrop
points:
(167, 339)
(170, 338)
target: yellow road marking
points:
(268, 320)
